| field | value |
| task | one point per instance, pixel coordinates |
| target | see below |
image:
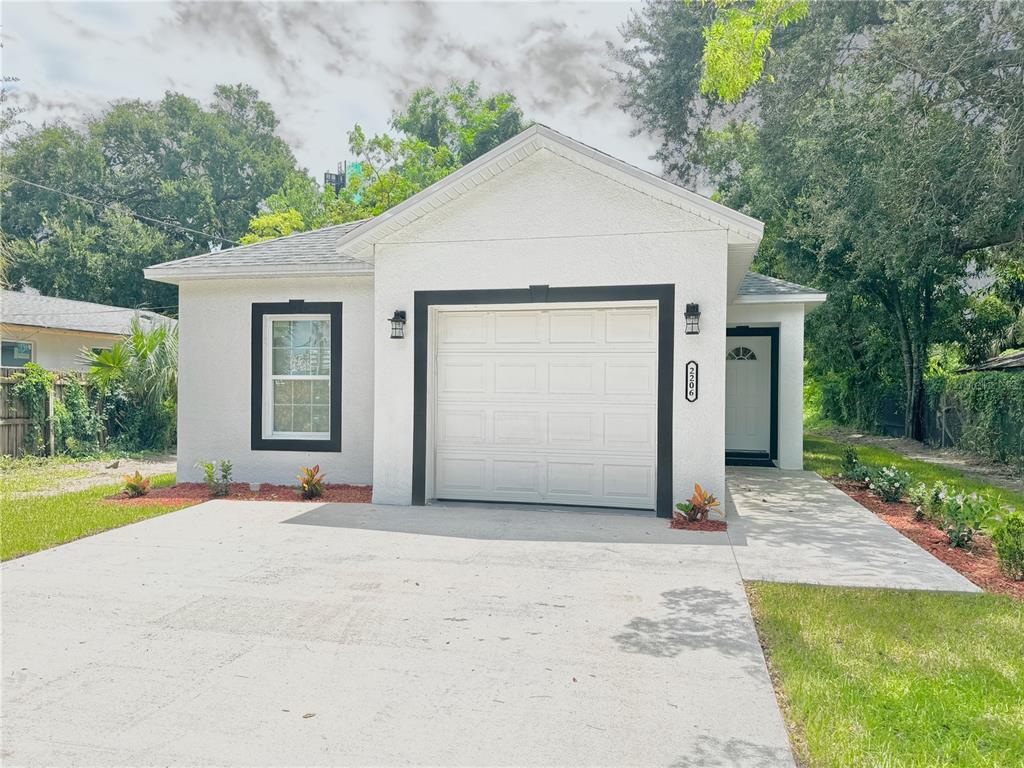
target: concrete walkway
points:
(242, 633)
(797, 527)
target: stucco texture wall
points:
(548, 220)
(789, 319)
(214, 389)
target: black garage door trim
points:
(537, 294)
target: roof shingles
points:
(38, 311)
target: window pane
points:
(302, 392)
(321, 392)
(16, 354)
(282, 418)
(302, 418)
(321, 418)
(301, 347)
(283, 392)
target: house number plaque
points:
(691, 381)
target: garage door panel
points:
(547, 405)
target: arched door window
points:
(741, 353)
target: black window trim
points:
(295, 307)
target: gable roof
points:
(38, 311)
(353, 243)
(756, 288)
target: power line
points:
(161, 222)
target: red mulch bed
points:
(682, 524)
(978, 564)
(183, 493)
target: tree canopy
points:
(436, 133)
(882, 144)
(153, 182)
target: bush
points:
(890, 483)
(698, 507)
(849, 464)
(33, 385)
(965, 516)
(311, 482)
(136, 485)
(918, 496)
(1008, 540)
(219, 486)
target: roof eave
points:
(781, 298)
(175, 276)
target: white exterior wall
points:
(547, 220)
(789, 318)
(214, 386)
(59, 350)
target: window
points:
(741, 353)
(15, 354)
(296, 376)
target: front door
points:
(748, 369)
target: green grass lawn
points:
(30, 524)
(34, 473)
(891, 678)
(823, 456)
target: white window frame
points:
(32, 353)
(269, 378)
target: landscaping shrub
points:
(889, 483)
(965, 516)
(698, 507)
(849, 464)
(311, 482)
(136, 485)
(1008, 540)
(218, 485)
(918, 496)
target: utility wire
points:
(182, 227)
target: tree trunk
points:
(914, 400)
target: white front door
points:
(546, 405)
(748, 368)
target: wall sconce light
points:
(398, 324)
(692, 315)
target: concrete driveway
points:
(238, 633)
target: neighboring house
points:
(545, 355)
(53, 332)
(1008, 361)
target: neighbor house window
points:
(16, 354)
(297, 376)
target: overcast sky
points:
(324, 66)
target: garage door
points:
(547, 406)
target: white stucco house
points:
(545, 356)
(53, 332)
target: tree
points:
(884, 149)
(202, 170)
(435, 134)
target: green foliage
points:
(738, 41)
(136, 485)
(966, 515)
(206, 167)
(850, 463)
(219, 482)
(311, 482)
(76, 421)
(699, 505)
(991, 407)
(987, 319)
(890, 483)
(138, 380)
(33, 387)
(1008, 540)
(438, 132)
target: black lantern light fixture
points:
(692, 315)
(398, 324)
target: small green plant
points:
(699, 505)
(965, 516)
(1008, 540)
(890, 483)
(849, 463)
(934, 506)
(918, 496)
(218, 485)
(136, 485)
(311, 482)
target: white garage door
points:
(554, 406)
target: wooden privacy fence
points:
(15, 419)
